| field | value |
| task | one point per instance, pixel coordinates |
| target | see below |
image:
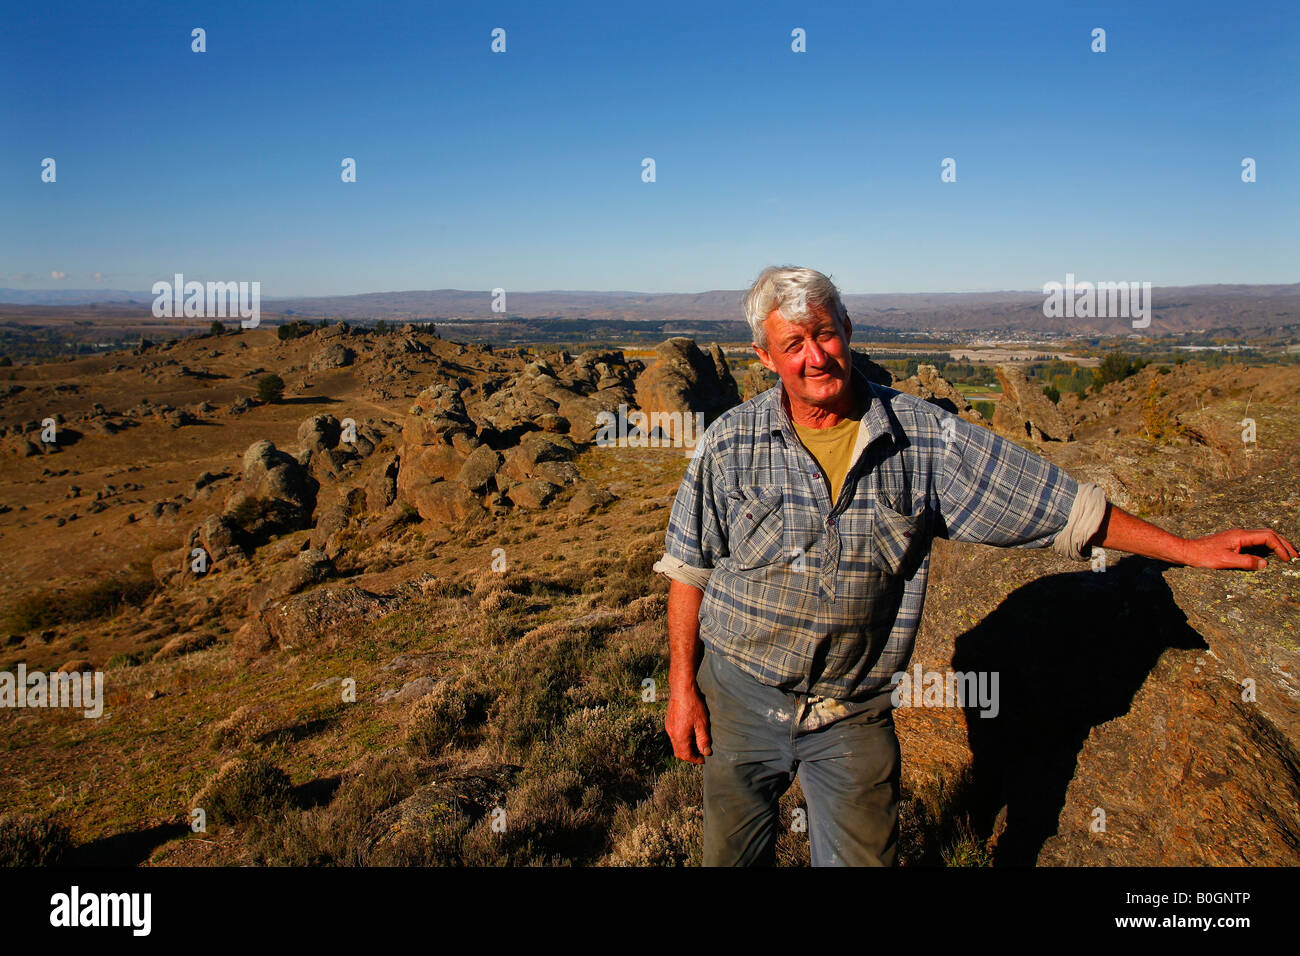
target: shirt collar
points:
(876, 419)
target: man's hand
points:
(1223, 550)
(687, 721)
(687, 724)
(1124, 532)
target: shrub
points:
(444, 717)
(533, 681)
(1052, 394)
(245, 788)
(967, 849)
(344, 831)
(1160, 424)
(1115, 367)
(616, 750)
(96, 599)
(27, 840)
(552, 820)
(216, 328)
(270, 388)
(292, 330)
(665, 830)
(242, 726)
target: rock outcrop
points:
(1025, 412)
(687, 380)
(437, 440)
(276, 494)
(928, 384)
(306, 619)
(567, 399)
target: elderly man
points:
(798, 548)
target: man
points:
(798, 547)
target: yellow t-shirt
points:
(833, 447)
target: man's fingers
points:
(1241, 562)
(684, 749)
(1269, 539)
(1289, 552)
(702, 742)
(683, 741)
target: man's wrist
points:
(683, 684)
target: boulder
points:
(588, 498)
(557, 472)
(275, 494)
(297, 574)
(534, 493)
(687, 380)
(535, 448)
(183, 644)
(437, 439)
(320, 432)
(333, 355)
(253, 639)
(480, 468)
(446, 501)
(928, 384)
(1025, 412)
(220, 537)
(557, 396)
(304, 619)
(381, 487)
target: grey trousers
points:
(849, 773)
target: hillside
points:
(429, 641)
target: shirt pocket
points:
(898, 541)
(755, 527)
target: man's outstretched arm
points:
(1123, 532)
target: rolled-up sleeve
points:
(696, 537)
(992, 491)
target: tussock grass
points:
(935, 825)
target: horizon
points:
(146, 295)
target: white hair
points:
(798, 293)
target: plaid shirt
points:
(824, 598)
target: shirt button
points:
(816, 475)
(749, 516)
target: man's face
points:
(813, 361)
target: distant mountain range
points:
(1176, 308)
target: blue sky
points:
(523, 170)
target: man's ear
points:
(848, 328)
(764, 358)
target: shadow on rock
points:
(1070, 651)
